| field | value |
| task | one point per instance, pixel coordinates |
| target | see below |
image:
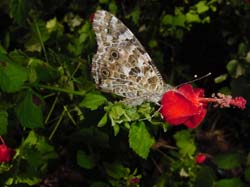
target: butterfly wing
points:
(121, 64)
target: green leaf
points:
(12, 75)
(36, 152)
(103, 1)
(205, 177)
(228, 160)
(41, 71)
(135, 15)
(179, 20)
(29, 111)
(242, 49)
(231, 66)
(167, 20)
(233, 182)
(152, 43)
(185, 142)
(2, 49)
(92, 101)
(23, 180)
(220, 78)
(3, 122)
(103, 121)
(94, 136)
(85, 161)
(202, 7)
(140, 140)
(116, 170)
(192, 17)
(247, 174)
(19, 10)
(112, 7)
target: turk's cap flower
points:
(182, 106)
(200, 158)
(91, 17)
(135, 180)
(187, 105)
(6, 153)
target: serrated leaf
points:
(179, 20)
(36, 152)
(41, 71)
(202, 7)
(192, 17)
(228, 161)
(92, 101)
(29, 111)
(12, 75)
(140, 140)
(23, 180)
(185, 142)
(233, 182)
(3, 122)
(85, 161)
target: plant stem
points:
(57, 125)
(80, 93)
(2, 140)
(41, 42)
(51, 110)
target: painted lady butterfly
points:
(121, 64)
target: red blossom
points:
(6, 153)
(183, 106)
(91, 17)
(200, 158)
(187, 105)
(135, 180)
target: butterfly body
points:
(121, 64)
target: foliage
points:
(68, 133)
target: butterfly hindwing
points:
(121, 64)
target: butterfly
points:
(121, 65)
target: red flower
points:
(200, 158)
(5, 152)
(91, 17)
(183, 106)
(187, 105)
(135, 180)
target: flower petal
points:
(195, 120)
(176, 108)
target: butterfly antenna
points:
(197, 79)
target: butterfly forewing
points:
(121, 64)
